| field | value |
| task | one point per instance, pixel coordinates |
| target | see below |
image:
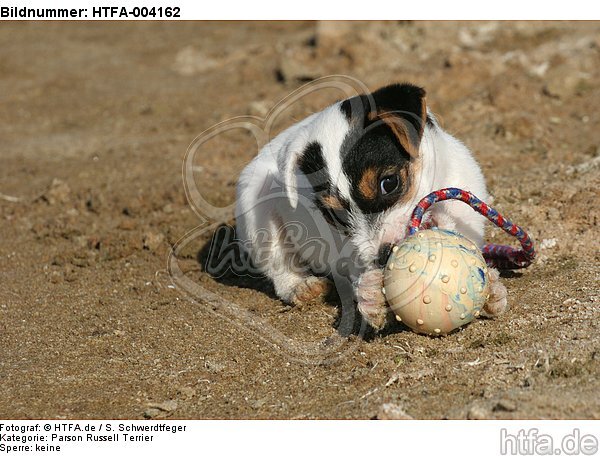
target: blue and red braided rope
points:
(499, 256)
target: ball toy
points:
(436, 280)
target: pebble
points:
(152, 241)
(332, 34)
(505, 405)
(562, 81)
(166, 406)
(55, 277)
(58, 192)
(190, 61)
(392, 411)
(547, 243)
(258, 108)
(258, 404)
(477, 412)
(127, 225)
(293, 67)
(214, 366)
(151, 412)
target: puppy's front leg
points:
(292, 281)
(371, 300)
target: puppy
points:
(327, 197)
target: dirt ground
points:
(95, 120)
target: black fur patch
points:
(375, 148)
(312, 164)
(404, 99)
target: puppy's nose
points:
(383, 254)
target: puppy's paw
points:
(497, 302)
(310, 289)
(371, 300)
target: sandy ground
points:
(95, 119)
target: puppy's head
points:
(362, 160)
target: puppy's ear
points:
(402, 108)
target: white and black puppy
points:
(328, 196)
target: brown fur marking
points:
(332, 202)
(401, 132)
(368, 183)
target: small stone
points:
(69, 273)
(258, 108)
(258, 404)
(505, 405)
(58, 192)
(563, 81)
(214, 366)
(127, 225)
(547, 243)
(477, 412)
(293, 67)
(391, 411)
(152, 241)
(55, 277)
(151, 412)
(166, 406)
(332, 35)
(190, 61)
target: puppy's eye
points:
(389, 184)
